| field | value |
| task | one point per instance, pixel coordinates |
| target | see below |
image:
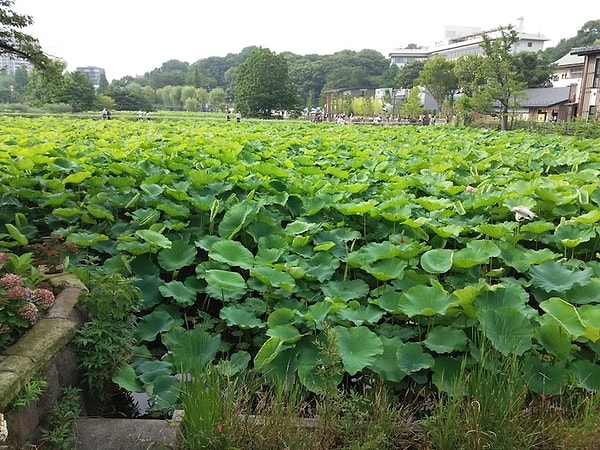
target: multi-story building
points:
(93, 73)
(10, 63)
(462, 41)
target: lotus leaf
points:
(359, 347)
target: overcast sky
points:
(132, 37)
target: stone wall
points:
(45, 350)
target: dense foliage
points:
(251, 242)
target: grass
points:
(490, 408)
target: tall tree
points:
(496, 78)
(14, 42)
(78, 91)
(408, 74)
(440, 80)
(263, 84)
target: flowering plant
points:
(24, 296)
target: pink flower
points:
(29, 312)
(11, 280)
(43, 298)
(17, 293)
(469, 188)
(3, 259)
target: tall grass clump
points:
(488, 408)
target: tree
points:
(46, 85)
(412, 107)
(262, 84)
(16, 43)
(408, 74)
(440, 80)
(533, 69)
(78, 91)
(495, 79)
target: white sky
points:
(132, 37)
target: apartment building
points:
(462, 41)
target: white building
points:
(461, 41)
(10, 63)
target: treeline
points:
(209, 84)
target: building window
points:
(530, 44)
(596, 80)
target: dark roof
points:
(546, 96)
(589, 50)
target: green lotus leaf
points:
(299, 227)
(361, 315)
(359, 347)
(150, 325)
(317, 313)
(288, 334)
(347, 290)
(388, 269)
(274, 277)
(555, 339)
(223, 279)
(281, 316)
(153, 190)
(182, 294)
(236, 217)
(322, 266)
(555, 276)
(475, 253)
(437, 261)
(448, 230)
(86, 238)
(426, 301)
(235, 364)
(179, 255)
(544, 377)
(587, 374)
(241, 317)
(433, 203)
(154, 238)
(448, 339)
(149, 370)
(589, 218)
(166, 391)
(372, 252)
(538, 227)
(77, 178)
(193, 350)
(386, 364)
(267, 352)
(100, 212)
(497, 231)
(581, 295)
(565, 314)
(522, 259)
(232, 253)
(411, 357)
(509, 294)
(509, 331)
(357, 208)
(135, 247)
(388, 301)
(125, 377)
(173, 209)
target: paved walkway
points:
(125, 434)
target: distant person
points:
(105, 113)
(228, 116)
(140, 115)
(238, 117)
(148, 115)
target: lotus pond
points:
(251, 242)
